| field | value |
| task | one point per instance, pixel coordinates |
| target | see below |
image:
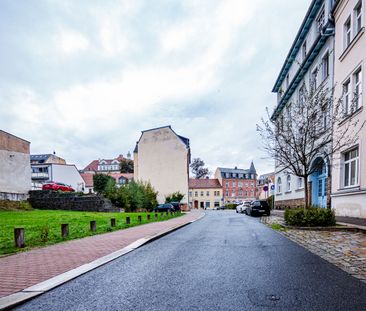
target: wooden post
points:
(113, 222)
(128, 220)
(148, 216)
(64, 230)
(156, 216)
(93, 226)
(19, 237)
(139, 218)
(162, 215)
(167, 213)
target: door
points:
(322, 190)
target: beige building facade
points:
(349, 165)
(162, 158)
(15, 170)
(205, 193)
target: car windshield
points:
(264, 204)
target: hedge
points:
(311, 217)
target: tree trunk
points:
(306, 186)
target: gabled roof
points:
(233, 170)
(92, 166)
(184, 140)
(204, 183)
(88, 179)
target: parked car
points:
(258, 207)
(57, 186)
(221, 207)
(240, 208)
(176, 206)
(246, 206)
(167, 207)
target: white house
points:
(309, 61)
(15, 172)
(162, 158)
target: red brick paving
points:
(32, 267)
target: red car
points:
(57, 186)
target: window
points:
(346, 97)
(279, 185)
(357, 78)
(240, 193)
(190, 193)
(303, 51)
(288, 183)
(358, 17)
(302, 94)
(233, 194)
(299, 183)
(226, 193)
(325, 66)
(227, 185)
(320, 21)
(351, 168)
(234, 184)
(240, 184)
(246, 184)
(313, 79)
(252, 194)
(208, 193)
(252, 184)
(246, 193)
(196, 193)
(202, 193)
(207, 204)
(217, 204)
(347, 33)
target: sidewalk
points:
(23, 270)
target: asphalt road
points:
(224, 261)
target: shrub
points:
(311, 217)
(174, 197)
(231, 206)
(101, 181)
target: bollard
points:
(128, 220)
(113, 222)
(167, 213)
(19, 237)
(93, 225)
(139, 218)
(148, 216)
(156, 216)
(64, 230)
(162, 215)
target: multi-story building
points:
(349, 169)
(264, 184)
(15, 172)
(309, 63)
(205, 193)
(105, 165)
(48, 167)
(162, 158)
(238, 184)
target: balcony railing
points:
(40, 175)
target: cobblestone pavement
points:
(23, 270)
(344, 249)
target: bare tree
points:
(314, 124)
(198, 168)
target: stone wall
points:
(283, 204)
(52, 200)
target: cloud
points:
(70, 41)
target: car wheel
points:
(269, 213)
(236, 211)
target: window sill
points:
(278, 193)
(349, 189)
(352, 43)
(299, 189)
(287, 192)
(350, 116)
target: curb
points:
(10, 301)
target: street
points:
(225, 261)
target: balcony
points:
(40, 175)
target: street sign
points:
(273, 187)
(265, 188)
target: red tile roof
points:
(204, 183)
(92, 166)
(128, 176)
(88, 179)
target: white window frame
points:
(288, 183)
(314, 78)
(349, 162)
(347, 96)
(358, 17)
(347, 32)
(325, 69)
(357, 88)
(300, 183)
(279, 185)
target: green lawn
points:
(43, 227)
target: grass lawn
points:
(43, 227)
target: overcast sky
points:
(83, 78)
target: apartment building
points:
(205, 193)
(349, 169)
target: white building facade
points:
(349, 169)
(15, 172)
(162, 158)
(309, 62)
